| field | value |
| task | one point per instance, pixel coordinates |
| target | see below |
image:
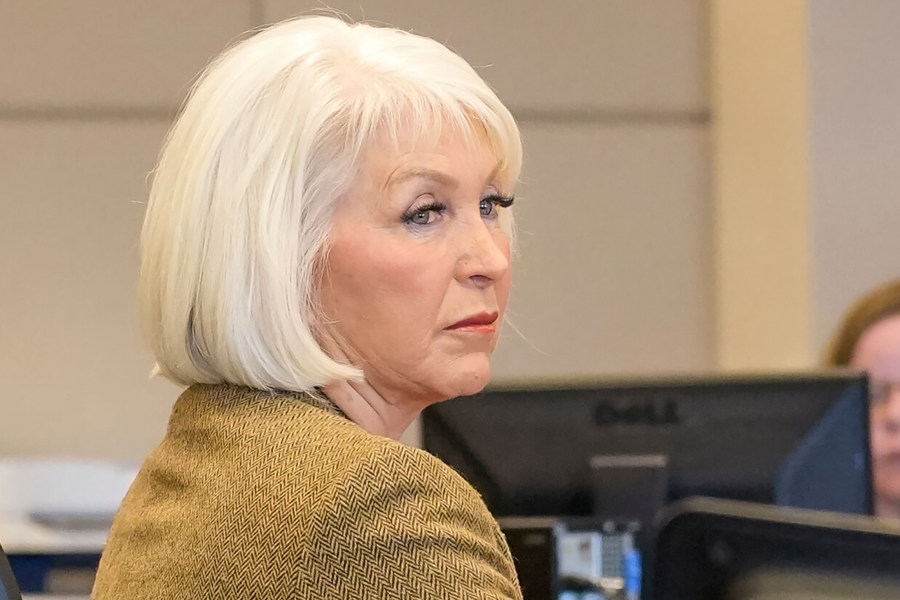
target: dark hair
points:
(878, 304)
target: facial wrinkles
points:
(392, 278)
(416, 342)
(410, 279)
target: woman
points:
(326, 252)
(869, 340)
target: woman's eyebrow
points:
(398, 177)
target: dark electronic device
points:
(9, 589)
(712, 549)
(624, 448)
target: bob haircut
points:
(273, 133)
(877, 305)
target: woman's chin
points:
(470, 380)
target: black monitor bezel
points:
(704, 545)
(679, 380)
(8, 578)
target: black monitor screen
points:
(723, 550)
(797, 440)
(9, 589)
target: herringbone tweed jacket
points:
(254, 495)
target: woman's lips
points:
(480, 323)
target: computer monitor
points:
(710, 549)
(559, 449)
(9, 589)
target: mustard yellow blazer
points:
(255, 495)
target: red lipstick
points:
(482, 322)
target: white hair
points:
(272, 135)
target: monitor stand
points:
(630, 487)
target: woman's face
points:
(878, 352)
(417, 275)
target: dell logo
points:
(646, 412)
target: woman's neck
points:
(370, 410)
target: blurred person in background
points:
(869, 339)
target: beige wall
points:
(618, 270)
(855, 141)
(806, 130)
(86, 93)
(763, 212)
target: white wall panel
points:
(855, 149)
(614, 274)
(73, 372)
(574, 55)
(108, 53)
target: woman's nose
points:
(485, 254)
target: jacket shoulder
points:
(402, 522)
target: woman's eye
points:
(488, 206)
(424, 215)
